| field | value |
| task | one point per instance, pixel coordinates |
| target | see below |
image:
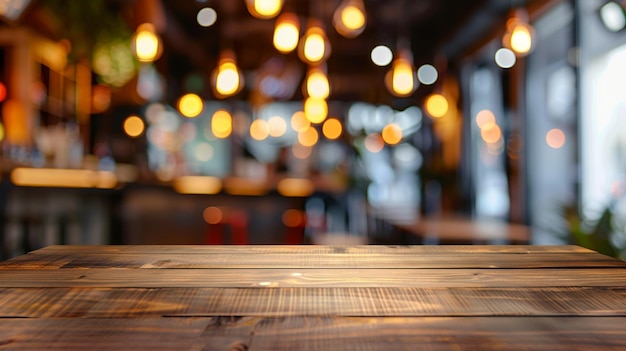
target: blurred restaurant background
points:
(312, 121)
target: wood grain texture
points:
(46, 260)
(313, 298)
(201, 302)
(306, 333)
(269, 278)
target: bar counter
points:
(511, 297)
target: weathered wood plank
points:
(323, 260)
(201, 302)
(462, 333)
(122, 334)
(306, 333)
(268, 278)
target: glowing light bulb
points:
(317, 85)
(264, 8)
(133, 126)
(227, 78)
(436, 105)
(315, 110)
(146, 43)
(190, 105)
(400, 79)
(349, 19)
(221, 124)
(521, 39)
(314, 48)
(286, 33)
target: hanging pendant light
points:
(350, 18)
(314, 48)
(286, 32)
(519, 35)
(316, 83)
(264, 9)
(147, 45)
(401, 80)
(227, 77)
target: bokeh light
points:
(212, 215)
(293, 218)
(221, 124)
(277, 126)
(483, 117)
(133, 126)
(204, 152)
(299, 122)
(374, 143)
(491, 133)
(315, 110)
(505, 58)
(427, 74)
(392, 134)
(332, 128)
(190, 105)
(206, 17)
(308, 137)
(259, 130)
(286, 33)
(381, 55)
(555, 138)
(436, 105)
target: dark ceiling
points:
(440, 32)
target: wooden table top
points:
(313, 298)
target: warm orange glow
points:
(555, 138)
(293, 218)
(491, 133)
(146, 43)
(436, 105)
(299, 122)
(221, 124)
(349, 19)
(315, 110)
(400, 80)
(314, 47)
(245, 186)
(264, 9)
(295, 187)
(286, 33)
(352, 17)
(374, 143)
(519, 34)
(277, 126)
(392, 134)
(259, 130)
(197, 185)
(63, 178)
(308, 137)
(133, 126)
(485, 117)
(227, 81)
(100, 98)
(332, 128)
(227, 78)
(317, 85)
(212, 215)
(15, 117)
(190, 105)
(3, 92)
